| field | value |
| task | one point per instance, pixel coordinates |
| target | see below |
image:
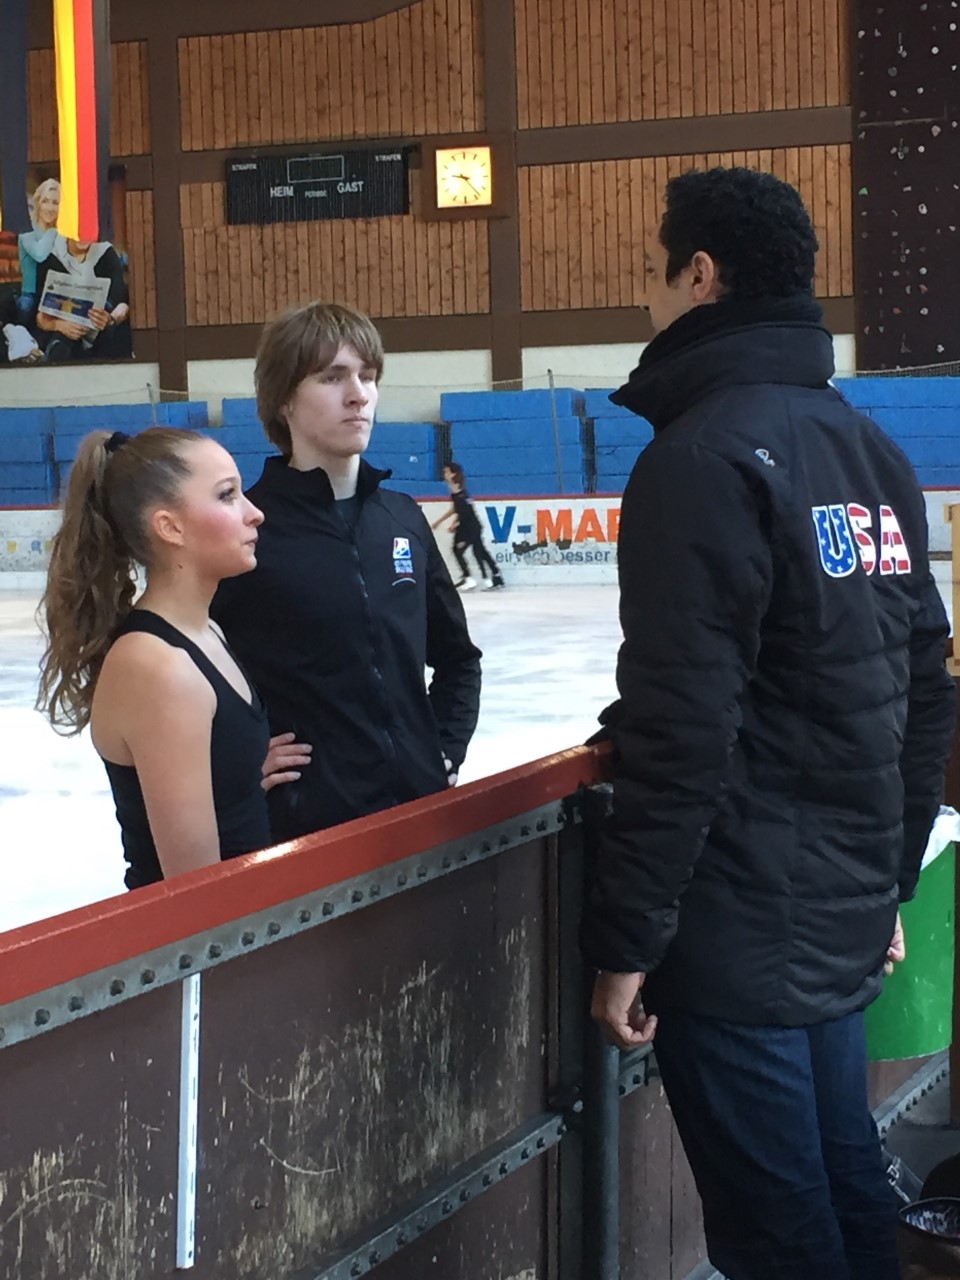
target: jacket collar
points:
(733, 342)
(315, 485)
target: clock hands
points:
(464, 177)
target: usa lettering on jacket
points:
(844, 540)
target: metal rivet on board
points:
(214, 951)
(186, 962)
(42, 1017)
(75, 1004)
(306, 916)
(117, 987)
(328, 908)
(272, 929)
(248, 937)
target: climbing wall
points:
(906, 175)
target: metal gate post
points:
(601, 1158)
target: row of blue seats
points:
(507, 441)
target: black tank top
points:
(239, 740)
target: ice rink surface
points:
(548, 670)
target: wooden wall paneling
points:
(685, 54)
(456, 101)
(525, 177)
(371, 35)
(321, 267)
(554, 236)
(623, 247)
(530, 114)
(820, 10)
(697, 92)
(765, 100)
(311, 112)
(831, 187)
(445, 267)
(440, 79)
(724, 59)
(847, 281)
(831, 43)
(186, 94)
(292, 90)
(193, 140)
(429, 57)
(844, 62)
(599, 57)
(712, 22)
(738, 69)
(557, 35)
(778, 35)
(391, 115)
(608, 36)
(791, 95)
(805, 79)
(536, 216)
(616, 267)
(397, 301)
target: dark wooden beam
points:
(500, 96)
(163, 79)
(815, 127)
(407, 333)
(136, 19)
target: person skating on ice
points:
(467, 533)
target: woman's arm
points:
(447, 515)
(38, 244)
(163, 708)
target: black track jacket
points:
(784, 717)
(335, 627)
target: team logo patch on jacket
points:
(402, 557)
(844, 540)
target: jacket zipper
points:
(378, 674)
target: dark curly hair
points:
(753, 225)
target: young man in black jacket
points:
(350, 600)
(781, 736)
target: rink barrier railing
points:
(217, 979)
(85, 996)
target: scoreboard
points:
(307, 188)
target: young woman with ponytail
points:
(181, 731)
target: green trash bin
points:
(913, 1015)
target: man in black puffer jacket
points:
(781, 733)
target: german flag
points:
(82, 41)
(14, 215)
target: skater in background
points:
(180, 728)
(467, 533)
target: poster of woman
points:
(30, 333)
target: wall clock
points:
(464, 177)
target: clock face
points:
(464, 177)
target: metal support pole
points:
(601, 1158)
(556, 429)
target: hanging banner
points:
(82, 45)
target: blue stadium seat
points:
(239, 409)
(503, 433)
(596, 404)
(34, 447)
(904, 392)
(24, 422)
(618, 431)
(466, 406)
(513, 485)
(520, 462)
(26, 497)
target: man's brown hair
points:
(301, 342)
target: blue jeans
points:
(776, 1125)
